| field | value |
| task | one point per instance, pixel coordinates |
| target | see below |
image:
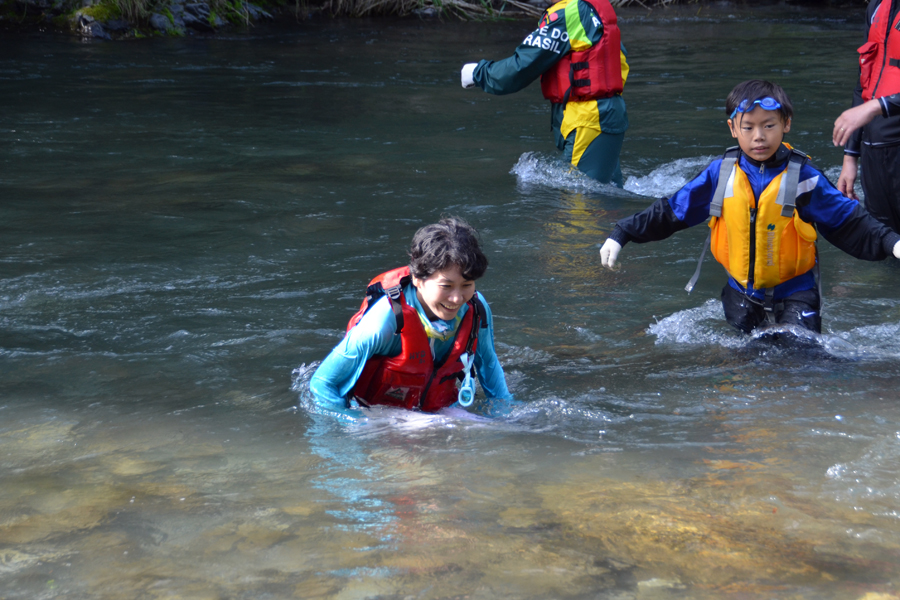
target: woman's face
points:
(444, 293)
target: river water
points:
(187, 225)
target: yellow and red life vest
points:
(762, 244)
(412, 379)
(879, 57)
(590, 74)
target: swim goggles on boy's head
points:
(767, 103)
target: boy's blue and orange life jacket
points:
(412, 379)
(761, 244)
(879, 57)
(593, 73)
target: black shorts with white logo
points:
(800, 308)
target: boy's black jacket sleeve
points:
(656, 222)
(859, 234)
(863, 236)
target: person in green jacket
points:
(577, 52)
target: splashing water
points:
(382, 418)
(705, 326)
(701, 325)
(871, 479)
(533, 168)
(667, 179)
(874, 341)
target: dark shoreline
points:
(106, 19)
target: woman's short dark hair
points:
(449, 242)
(756, 89)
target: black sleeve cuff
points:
(619, 235)
(890, 241)
(890, 105)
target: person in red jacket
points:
(578, 54)
(870, 130)
(421, 331)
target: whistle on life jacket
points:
(467, 390)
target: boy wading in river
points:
(766, 205)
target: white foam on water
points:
(872, 477)
(372, 421)
(705, 325)
(534, 168)
(668, 178)
(874, 341)
(701, 325)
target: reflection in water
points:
(570, 240)
(346, 474)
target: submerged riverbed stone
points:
(675, 532)
(12, 560)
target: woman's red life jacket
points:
(412, 379)
(591, 74)
(879, 57)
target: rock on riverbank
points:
(113, 19)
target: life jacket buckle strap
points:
(459, 376)
(787, 191)
(690, 284)
(394, 293)
(769, 305)
(477, 323)
(725, 172)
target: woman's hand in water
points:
(609, 252)
(502, 407)
(854, 118)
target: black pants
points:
(800, 308)
(881, 183)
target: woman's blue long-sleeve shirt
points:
(333, 381)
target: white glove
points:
(610, 251)
(468, 71)
(897, 250)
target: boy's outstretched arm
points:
(844, 222)
(657, 222)
(863, 236)
(687, 207)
